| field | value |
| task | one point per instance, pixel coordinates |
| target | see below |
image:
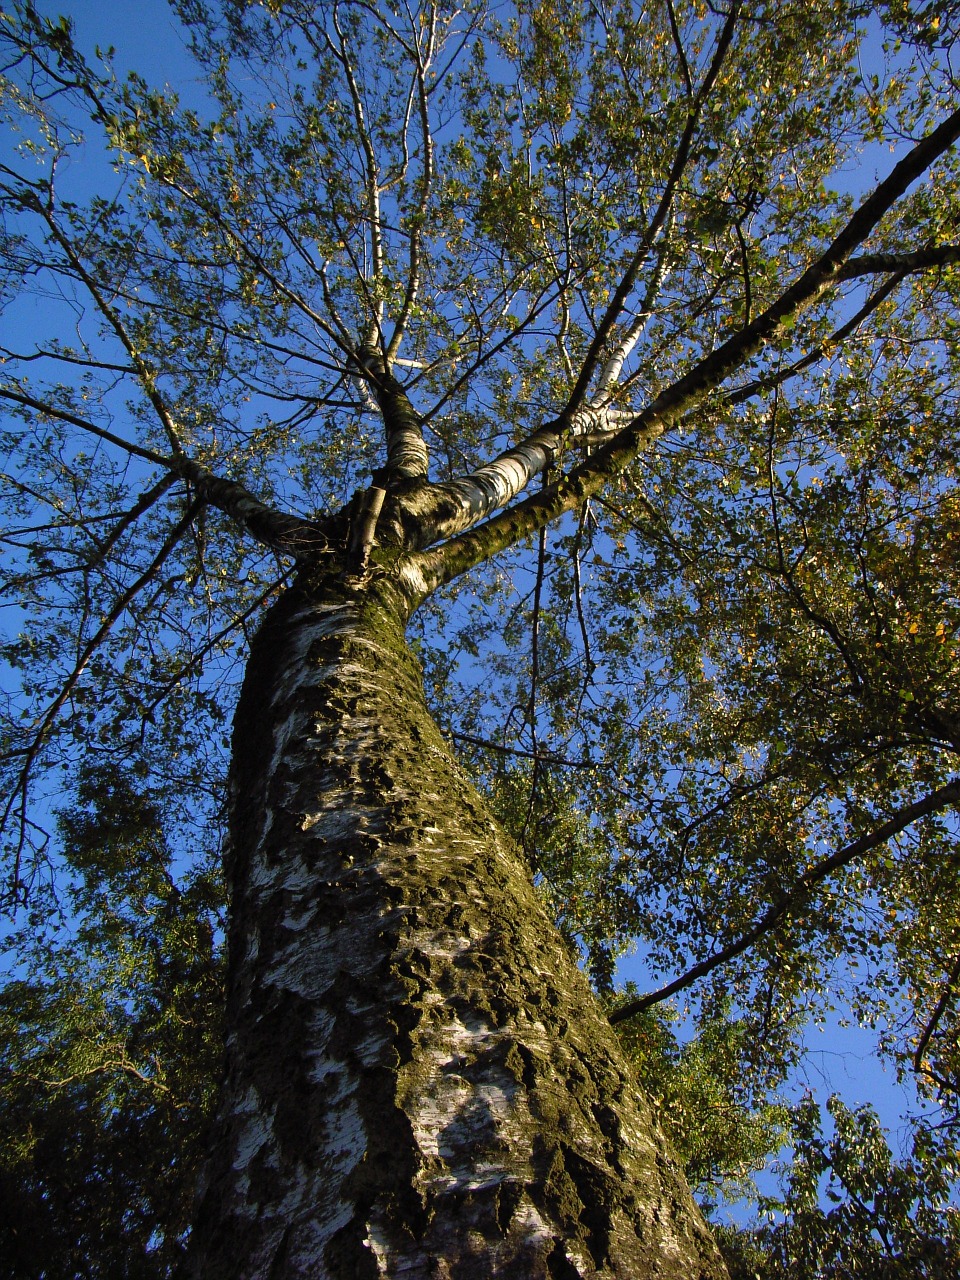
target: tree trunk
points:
(420, 1083)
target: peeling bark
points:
(420, 1083)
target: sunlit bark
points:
(420, 1082)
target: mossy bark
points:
(420, 1083)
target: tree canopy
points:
(626, 334)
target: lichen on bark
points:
(420, 1082)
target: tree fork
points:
(419, 1081)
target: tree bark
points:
(419, 1081)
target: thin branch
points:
(629, 278)
(524, 753)
(122, 602)
(745, 263)
(146, 375)
(426, 181)
(63, 415)
(578, 599)
(681, 52)
(788, 903)
(139, 508)
(545, 300)
(946, 996)
(785, 571)
(196, 661)
(751, 389)
(213, 212)
(290, 535)
(366, 145)
(64, 357)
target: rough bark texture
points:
(419, 1081)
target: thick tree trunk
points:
(419, 1081)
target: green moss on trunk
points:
(420, 1081)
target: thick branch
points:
(869, 264)
(284, 533)
(407, 457)
(615, 362)
(463, 503)
(943, 798)
(365, 529)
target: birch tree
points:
(605, 348)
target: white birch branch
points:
(618, 357)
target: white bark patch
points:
(347, 1143)
(268, 878)
(454, 1118)
(493, 486)
(306, 975)
(315, 1218)
(414, 581)
(337, 822)
(254, 1130)
(379, 1247)
(533, 1227)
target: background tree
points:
(561, 334)
(884, 1215)
(110, 1047)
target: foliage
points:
(718, 1118)
(110, 1039)
(850, 1209)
